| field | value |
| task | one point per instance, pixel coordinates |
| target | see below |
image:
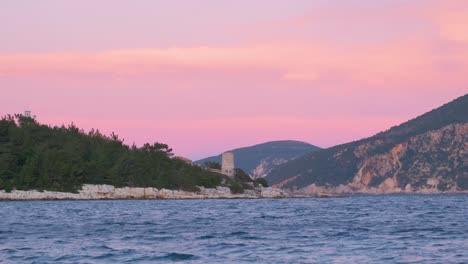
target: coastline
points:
(361, 189)
(109, 192)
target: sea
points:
(354, 229)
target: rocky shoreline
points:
(388, 187)
(108, 192)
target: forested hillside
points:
(36, 156)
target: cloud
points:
(334, 74)
(406, 60)
(411, 43)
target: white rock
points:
(95, 192)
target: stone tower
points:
(228, 164)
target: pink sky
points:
(206, 76)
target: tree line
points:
(63, 158)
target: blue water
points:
(358, 229)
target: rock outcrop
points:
(103, 192)
(428, 154)
(436, 160)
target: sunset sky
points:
(205, 76)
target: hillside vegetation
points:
(36, 156)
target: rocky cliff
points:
(427, 154)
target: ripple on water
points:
(360, 229)
(206, 237)
(104, 256)
(238, 233)
(8, 251)
(177, 257)
(66, 258)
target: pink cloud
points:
(406, 60)
(329, 76)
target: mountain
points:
(260, 159)
(426, 154)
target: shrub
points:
(262, 182)
(236, 187)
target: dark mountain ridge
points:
(260, 159)
(344, 164)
